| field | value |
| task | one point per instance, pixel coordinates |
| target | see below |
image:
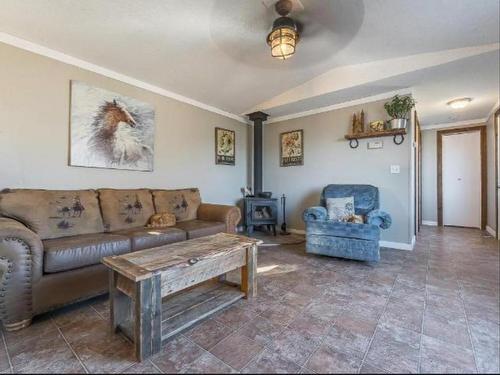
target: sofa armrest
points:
(315, 213)
(21, 264)
(230, 215)
(380, 218)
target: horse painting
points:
(110, 130)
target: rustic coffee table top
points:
(143, 264)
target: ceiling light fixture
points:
(459, 103)
(284, 36)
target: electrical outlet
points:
(395, 169)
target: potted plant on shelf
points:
(399, 108)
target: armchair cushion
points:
(365, 196)
(315, 213)
(345, 230)
(379, 218)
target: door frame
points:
(417, 136)
(484, 176)
(497, 183)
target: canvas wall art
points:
(110, 130)
(292, 148)
(225, 148)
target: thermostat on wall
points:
(375, 144)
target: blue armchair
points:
(347, 240)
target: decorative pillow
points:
(340, 209)
(161, 220)
(53, 213)
(124, 209)
(358, 219)
(183, 203)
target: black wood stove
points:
(261, 209)
(261, 212)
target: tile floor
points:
(435, 309)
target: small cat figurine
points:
(161, 220)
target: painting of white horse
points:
(109, 130)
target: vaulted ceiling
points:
(214, 51)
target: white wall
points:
(34, 135)
(328, 160)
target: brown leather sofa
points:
(52, 241)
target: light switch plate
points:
(375, 144)
(395, 169)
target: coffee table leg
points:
(148, 317)
(249, 273)
(120, 303)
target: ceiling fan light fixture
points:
(283, 38)
(459, 103)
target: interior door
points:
(462, 179)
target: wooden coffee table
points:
(188, 276)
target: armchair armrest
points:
(315, 213)
(230, 215)
(380, 218)
(21, 263)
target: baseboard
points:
(430, 223)
(391, 245)
(397, 245)
(491, 231)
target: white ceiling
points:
(214, 51)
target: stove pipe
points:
(258, 118)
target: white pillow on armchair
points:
(340, 209)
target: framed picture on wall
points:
(110, 130)
(292, 148)
(225, 146)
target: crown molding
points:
(351, 103)
(457, 124)
(67, 59)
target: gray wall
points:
(328, 159)
(34, 135)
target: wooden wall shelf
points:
(395, 133)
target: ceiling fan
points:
(286, 31)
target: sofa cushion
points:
(201, 228)
(53, 213)
(144, 238)
(124, 209)
(183, 203)
(64, 254)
